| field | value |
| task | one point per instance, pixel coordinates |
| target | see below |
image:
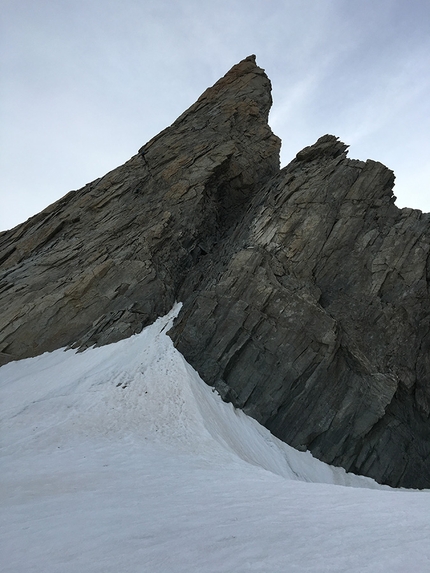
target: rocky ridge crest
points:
(305, 289)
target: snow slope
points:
(120, 459)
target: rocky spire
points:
(305, 290)
(106, 260)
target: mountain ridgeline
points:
(305, 289)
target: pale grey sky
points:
(85, 83)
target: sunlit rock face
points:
(305, 289)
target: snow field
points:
(120, 459)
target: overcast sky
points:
(85, 83)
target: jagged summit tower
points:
(305, 289)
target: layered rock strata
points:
(305, 289)
(108, 259)
(316, 320)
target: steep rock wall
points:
(317, 320)
(106, 260)
(305, 290)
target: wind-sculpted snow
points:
(121, 459)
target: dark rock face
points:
(108, 259)
(305, 290)
(316, 321)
